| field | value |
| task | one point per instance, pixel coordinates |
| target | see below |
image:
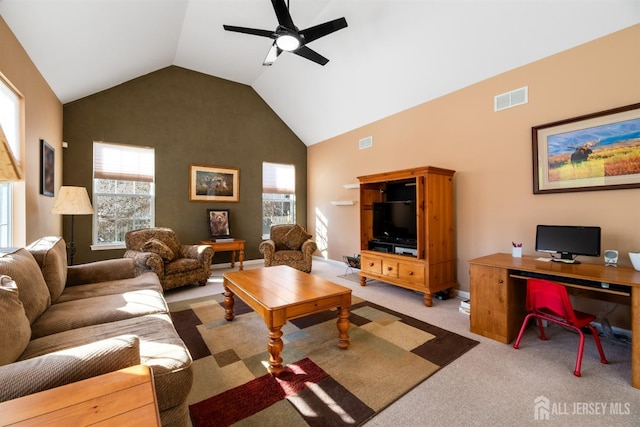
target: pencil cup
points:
(516, 252)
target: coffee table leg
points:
(228, 304)
(275, 349)
(343, 327)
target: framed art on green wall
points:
(214, 184)
(47, 171)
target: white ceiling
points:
(394, 54)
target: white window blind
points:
(278, 178)
(123, 162)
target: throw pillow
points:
(158, 247)
(51, 255)
(16, 330)
(296, 237)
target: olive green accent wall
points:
(189, 118)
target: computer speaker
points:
(611, 257)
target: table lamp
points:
(72, 201)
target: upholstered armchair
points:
(289, 244)
(159, 250)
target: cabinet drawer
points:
(390, 268)
(371, 265)
(411, 272)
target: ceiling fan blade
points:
(283, 15)
(273, 54)
(311, 55)
(252, 31)
(314, 33)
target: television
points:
(395, 221)
(569, 241)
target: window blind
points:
(123, 162)
(278, 178)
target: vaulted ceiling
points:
(393, 55)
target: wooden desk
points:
(281, 293)
(121, 398)
(498, 295)
(236, 245)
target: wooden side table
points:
(233, 246)
(120, 398)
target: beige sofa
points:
(63, 324)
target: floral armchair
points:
(159, 250)
(289, 244)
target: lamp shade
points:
(72, 201)
(9, 169)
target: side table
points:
(232, 246)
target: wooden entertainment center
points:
(426, 264)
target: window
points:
(123, 192)
(10, 123)
(278, 195)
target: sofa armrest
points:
(268, 248)
(100, 271)
(146, 261)
(203, 253)
(66, 366)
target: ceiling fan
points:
(287, 38)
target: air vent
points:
(511, 99)
(366, 142)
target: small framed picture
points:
(47, 169)
(219, 225)
(214, 184)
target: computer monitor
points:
(568, 240)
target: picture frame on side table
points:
(47, 169)
(214, 184)
(599, 151)
(219, 223)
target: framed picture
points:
(599, 151)
(219, 225)
(213, 184)
(47, 165)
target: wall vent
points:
(511, 99)
(366, 142)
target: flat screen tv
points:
(568, 241)
(395, 221)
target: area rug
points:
(322, 385)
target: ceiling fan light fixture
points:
(288, 42)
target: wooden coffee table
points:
(282, 293)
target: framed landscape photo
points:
(599, 151)
(214, 184)
(47, 165)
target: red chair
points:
(550, 301)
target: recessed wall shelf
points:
(356, 185)
(343, 202)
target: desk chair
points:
(550, 301)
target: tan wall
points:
(492, 154)
(43, 120)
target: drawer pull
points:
(500, 281)
(389, 268)
(411, 273)
(371, 264)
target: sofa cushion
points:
(75, 314)
(148, 281)
(295, 237)
(160, 348)
(51, 255)
(32, 289)
(158, 247)
(16, 330)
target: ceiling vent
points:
(366, 143)
(511, 99)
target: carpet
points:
(322, 385)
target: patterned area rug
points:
(322, 385)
